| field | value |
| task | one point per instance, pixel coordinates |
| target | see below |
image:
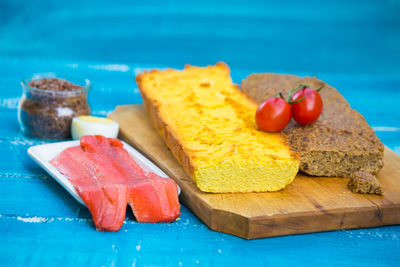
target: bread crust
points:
(168, 134)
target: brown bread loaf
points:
(338, 144)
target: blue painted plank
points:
(37, 196)
(345, 36)
(27, 241)
(76, 243)
(114, 84)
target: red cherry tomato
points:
(307, 110)
(273, 114)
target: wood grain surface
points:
(309, 204)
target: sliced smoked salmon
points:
(107, 178)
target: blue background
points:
(354, 45)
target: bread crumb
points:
(365, 183)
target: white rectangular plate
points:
(42, 154)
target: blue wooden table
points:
(352, 44)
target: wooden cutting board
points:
(309, 204)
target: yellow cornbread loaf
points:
(209, 126)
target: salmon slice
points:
(107, 179)
(107, 204)
(151, 197)
(109, 152)
(106, 200)
(154, 199)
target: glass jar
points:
(48, 113)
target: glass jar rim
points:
(37, 76)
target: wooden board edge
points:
(229, 223)
(323, 221)
(298, 223)
(390, 214)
